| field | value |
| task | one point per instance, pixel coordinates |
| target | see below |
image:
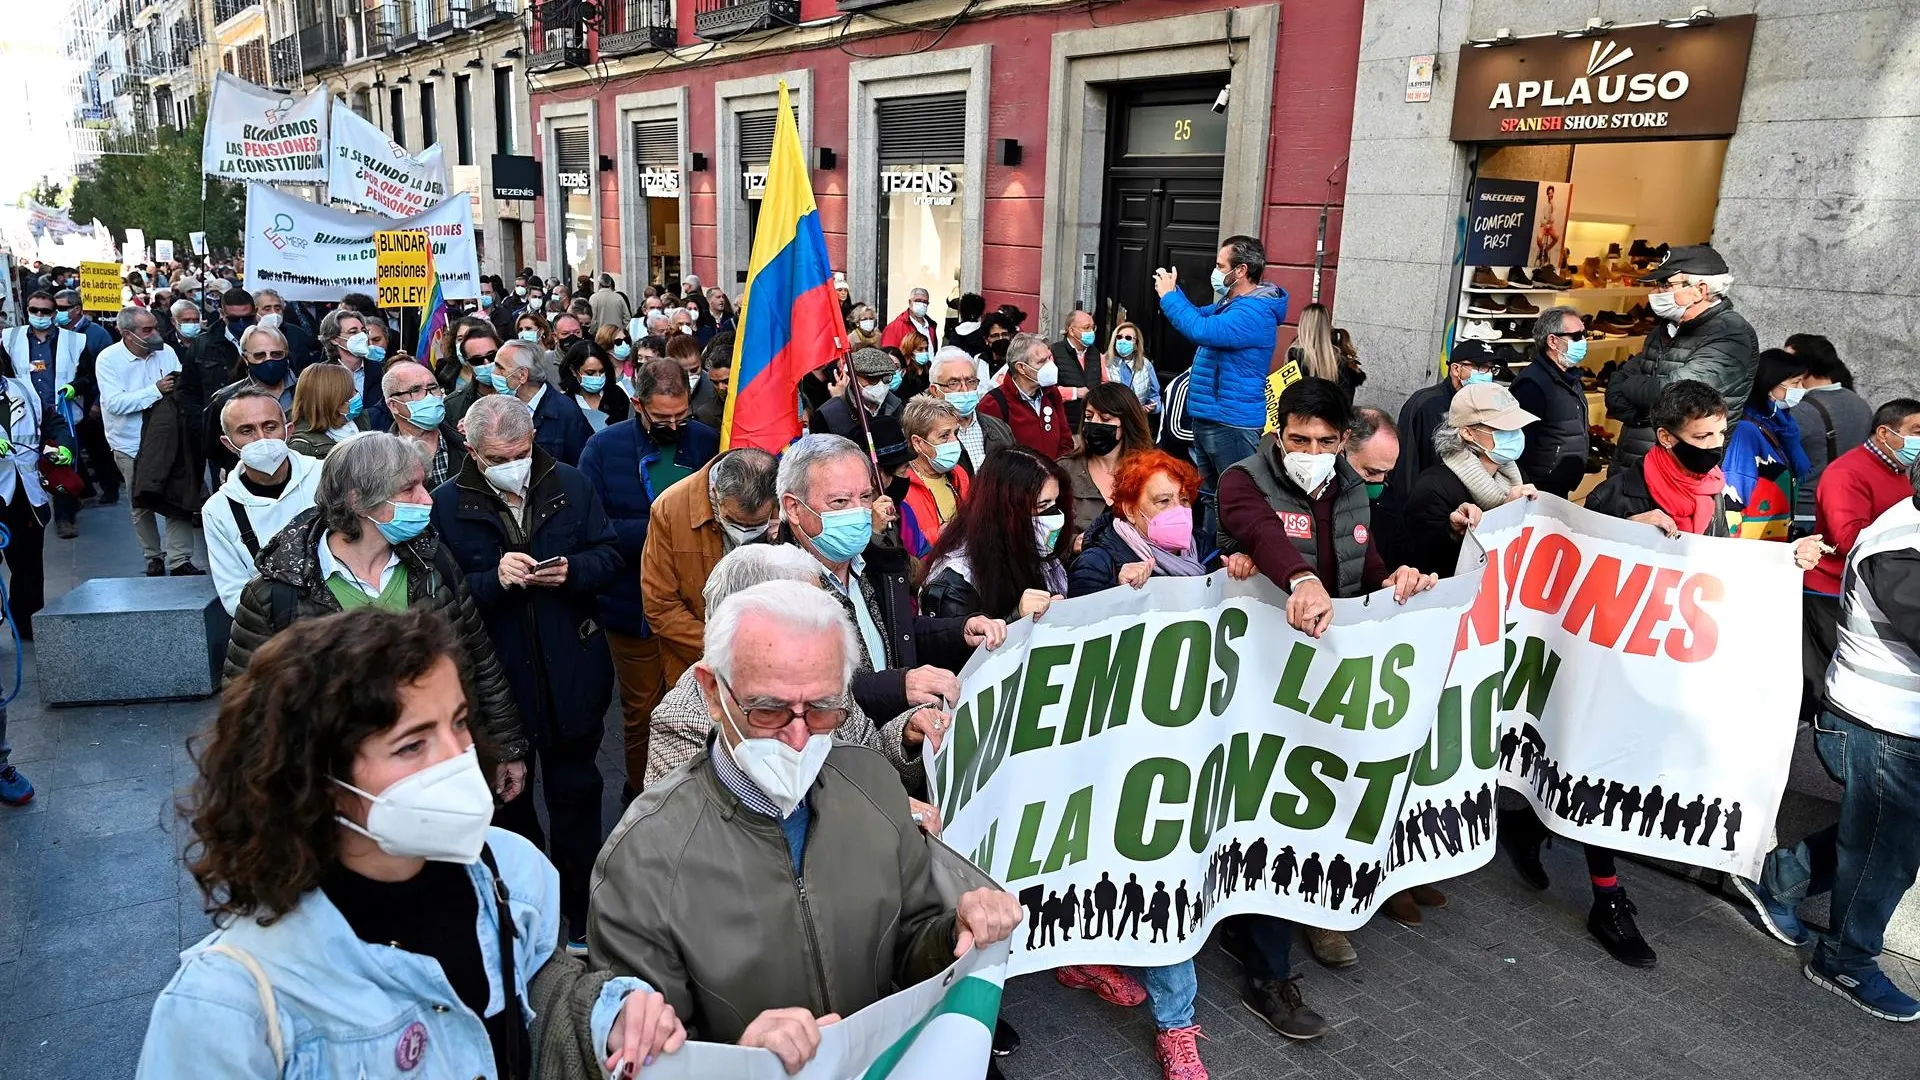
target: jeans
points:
(1218, 447)
(1269, 941)
(1870, 857)
(570, 780)
(1170, 993)
(6, 750)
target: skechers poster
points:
(1517, 222)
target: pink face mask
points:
(1171, 529)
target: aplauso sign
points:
(1639, 83)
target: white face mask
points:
(1046, 531)
(919, 309)
(1309, 470)
(264, 455)
(360, 344)
(341, 432)
(1047, 376)
(693, 380)
(782, 773)
(738, 535)
(270, 321)
(866, 326)
(510, 476)
(875, 394)
(439, 813)
(1664, 306)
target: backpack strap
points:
(1833, 444)
(276, 1042)
(504, 916)
(245, 525)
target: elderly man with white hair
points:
(134, 375)
(268, 363)
(538, 550)
(185, 316)
(959, 379)
(826, 493)
(558, 425)
(778, 881)
(1700, 338)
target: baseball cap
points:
(1489, 405)
(1475, 352)
(1698, 260)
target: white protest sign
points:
(199, 242)
(1143, 762)
(309, 252)
(163, 251)
(1639, 709)
(136, 250)
(258, 134)
(368, 170)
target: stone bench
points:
(130, 639)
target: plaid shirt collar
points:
(738, 782)
(1881, 455)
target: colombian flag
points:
(789, 314)
(433, 314)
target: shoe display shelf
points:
(1515, 327)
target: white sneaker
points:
(1478, 330)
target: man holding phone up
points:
(537, 548)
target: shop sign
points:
(1517, 222)
(658, 183)
(1637, 83)
(515, 176)
(573, 181)
(936, 185)
(753, 182)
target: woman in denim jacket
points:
(342, 842)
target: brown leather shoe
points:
(1428, 896)
(1485, 278)
(1401, 909)
(1518, 305)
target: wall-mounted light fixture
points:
(1008, 151)
(1596, 27)
(1502, 36)
(824, 159)
(1697, 17)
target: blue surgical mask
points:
(1219, 281)
(482, 371)
(409, 521)
(486, 301)
(376, 353)
(1507, 446)
(921, 357)
(529, 335)
(622, 351)
(1576, 351)
(1479, 377)
(427, 413)
(593, 384)
(844, 534)
(1086, 337)
(498, 380)
(964, 401)
(188, 330)
(40, 322)
(898, 378)
(1908, 450)
(62, 318)
(947, 455)
(354, 406)
(1795, 394)
(1123, 347)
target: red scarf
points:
(1687, 498)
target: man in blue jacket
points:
(1234, 339)
(559, 427)
(629, 465)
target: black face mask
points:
(567, 342)
(1698, 460)
(663, 435)
(1101, 439)
(999, 348)
(897, 489)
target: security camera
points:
(1220, 103)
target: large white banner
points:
(309, 252)
(1138, 764)
(365, 169)
(258, 134)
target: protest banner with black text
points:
(309, 252)
(365, 169)
(254, 133)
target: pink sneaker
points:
(1112, 984)
(1179, 1053)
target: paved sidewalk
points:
(1504, 983)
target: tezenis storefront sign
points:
(1638, 83)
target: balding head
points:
(498, 428)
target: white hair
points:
(950, 354)
(518, 354)
(255, 330)
(798, 460)
(180, 306)
(496, 419)
(798, 608)
(755, 564)
(1716, 284)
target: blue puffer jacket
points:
(615, 463)
(1235, 348)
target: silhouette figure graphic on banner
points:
(1158, 913)
(1284, 866)
(1180, 904)
(1134, 905)
(1339, 880)
(1311, 874)
(1256, 865)
(1106, 895)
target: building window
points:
(463, 119)
(397, 102)
(756, 150)
(922, 156)
(427, 132)
(656, 154)
(363, 104)
(573, 169)
(503, 110)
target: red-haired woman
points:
(1149, 532)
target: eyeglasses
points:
(39, 311)
(269, 355)
(674, 423)
(962, 385)
(414, 393)
(769, 719)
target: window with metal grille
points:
(570, 149)
(657, 142)
(463, 119)
(923, 130)
(397, 112)
(756, 136)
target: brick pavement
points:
(1502, 984)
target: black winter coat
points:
(1718, 348)
(166, 471)
(289, 588)
(1431, 546)
(213, 363)
(1423, 411)
(553, 651)
(1555, 460)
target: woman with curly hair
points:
(341, 840)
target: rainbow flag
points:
(433, 313)
(789, 315)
